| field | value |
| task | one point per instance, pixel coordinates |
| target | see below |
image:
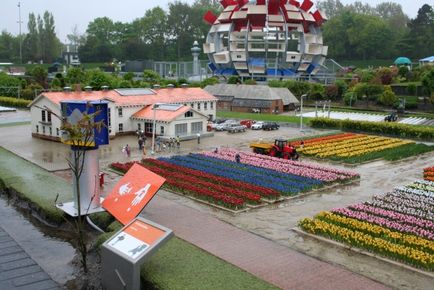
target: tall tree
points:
(9, 46)
(421, 34)
(331, 7)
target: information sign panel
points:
(132, 193)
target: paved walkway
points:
(263, 258)
(18, 270)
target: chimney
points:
(78, 88)
(170, 86)
(67, 89)
(104, 88)
(156, 86)
(88, 88)
(184, 85)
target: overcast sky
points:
(67, 14)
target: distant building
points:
(253, 98)
(70, 54)
(181, 111)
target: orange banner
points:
(132, 193)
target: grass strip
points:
(260, 117)
(34, 184)
(181, 265)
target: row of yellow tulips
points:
(407, 248)
(359, 145)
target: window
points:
(192, 105)
(188, 114)
(139, 126)
(37, 129)
(211, 105)
(49, 117)
(109, 117)
(43, 129)
(196, 127)
(43, 115)
(205, 106)
(181, 129)
(162, 130)
(57, 131)
(50, 130)
(198, 106)
(120, 112)
(121, 127)
(148, 128)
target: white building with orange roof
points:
(180, 112)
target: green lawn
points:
(259, 117)
(366, 63)
(181, 265)
(34, 184)
(14, 124)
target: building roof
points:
(427, 59)
(163, 113)
(252, 92)
(123, 98)
(402, 60)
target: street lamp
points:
(301, 111)
(154, 107)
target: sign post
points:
(124, 253)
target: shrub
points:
(342, 88)
(412, 89)
(388, 97)
(332, 92)
(350, 98)
(13, 102)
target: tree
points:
(80, 135)
(8, 47)
(331, 7)
(419, 41)
(388, 97)
(75, 75)
(40, 74)
(151, 76)
(97, 78)
(428, 84)
(367, 91)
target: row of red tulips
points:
(180, 177)
(428, 173)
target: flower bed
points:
(398, 224)
(355, 148)
(303, 169)
(212, 176)
(428, 173)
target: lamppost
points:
(154, 108)
(21, 41)
(301, 111)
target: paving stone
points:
(13, 257)
(9, 244)
(18, 270)
(16, 264)
(10, 250)
(41, 285)
(4, 239)
(8, 275)
(30, 279)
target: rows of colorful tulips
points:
(288, 167)
(348, 145)
(211, 176)
(398, 224)
(428, 173)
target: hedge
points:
(14, 102)
(381, 128)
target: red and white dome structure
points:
(266, 39)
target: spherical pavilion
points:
(266, 39)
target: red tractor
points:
(280, 149)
